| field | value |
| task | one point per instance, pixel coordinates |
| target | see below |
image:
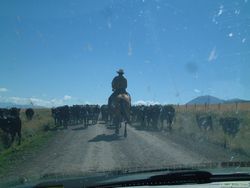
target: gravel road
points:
(97, 148)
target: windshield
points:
(101, 85)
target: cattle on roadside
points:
(105, 113)
(167, 113)
(204, 122)
(230, 125)
(10, 123)
(76, 115)
(29, 113)
(61, 115)
(152, 114)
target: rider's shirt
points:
(119, 82)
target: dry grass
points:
(41, 118)
(186, 124)
(232, 107)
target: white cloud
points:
(230, 34)
(3, 89)
(35, 101)
(197, 91)
(142, 102)
(212, 55)
(67, 97)
(220, 10)
(17, 100)
(56, 102)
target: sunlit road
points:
(96, 148)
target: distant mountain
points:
(214, 100)
(10, 105)
(206, 99)
(236, 100)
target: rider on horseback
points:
(119, 103)
(119, 85)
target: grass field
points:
(185, 124)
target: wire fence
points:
(213, 107)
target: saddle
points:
(117, 96)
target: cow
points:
(230, 125)
(11, 124)
(61, 115)
(152, 115)
(29, 113)
(105, 113)
(167, 113)
(204, 122)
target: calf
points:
(204, 122)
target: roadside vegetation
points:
(35, 133)
(186, 125)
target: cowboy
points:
(119, 85)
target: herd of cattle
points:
(152, 116)
(76, 114)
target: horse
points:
(120, 111)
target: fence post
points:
(219, 106)
(236, 106)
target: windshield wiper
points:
(178, 178)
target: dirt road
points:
(96, 148)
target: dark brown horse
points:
(120, 111)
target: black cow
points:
(141, 115)
(167, 113)
(152, 115)
(29, 113)
(61, 115)
(10, 123)
(204, 122)
(230, 125)
(105, 113)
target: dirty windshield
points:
(98, 86)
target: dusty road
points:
(96, 148)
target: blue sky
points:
(66, 52)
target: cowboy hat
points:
(120, 71)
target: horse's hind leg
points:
(117, 129)
(117, 125)
(125, 130)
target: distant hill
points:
(206, 99)
(237, 100)
(10, 105)
(214, 100)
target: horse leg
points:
(125, 130)
(169, 122)
(19, 137)
(117, 129)
(162, 122)
(117, 125)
